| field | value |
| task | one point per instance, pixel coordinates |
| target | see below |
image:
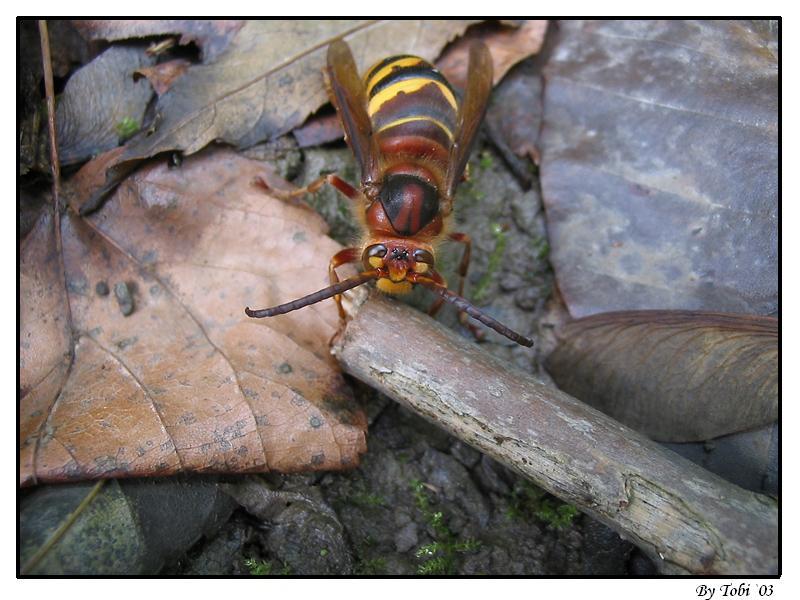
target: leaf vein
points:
(196, 321)
(147, 395)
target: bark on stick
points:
(684, 517)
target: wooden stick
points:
(687, 519)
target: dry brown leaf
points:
(515, 115)
(213, 37)
(319, 130)
(185, 382)
(507, 45)
(44, 340)
(269, 80)
(163, 75)
(677, 376)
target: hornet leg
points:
(462, 238)
(292, 195)
(463, 267)
(343, 257)
(437, 304)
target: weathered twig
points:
(50, 96)
(685, 518)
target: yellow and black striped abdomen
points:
(412, 108)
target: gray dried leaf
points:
(747, 458)
(660, 165)
(213, 37)
(677, 376)
(101, 102)
(269, 80)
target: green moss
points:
(530, 501)
(495, 260)
(265, 567)
(366, 500)
(468, 545)
(440, 557)
(468, 193)
(486, 160)
(258, 567)
(349, 173)
(557, 515)
(373, 566)
(126, 128)
(435, 566)
(428, 550)
(541, 248)
(420, 497)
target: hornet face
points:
(397, 259)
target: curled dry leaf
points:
(163, 75)
(186, 382)
(516, 112)
(319, 130)
(101, 104)
(213, 37)
(507, 44)
(514, 118)
(660, 165)
(677, 376)
(269, 81)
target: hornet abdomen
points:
(413, 110)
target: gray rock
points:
(401, 518)
(466, 454)
(406, 538)
(479, 563)
(604, 551)
(455, 485)
(490, 476)
(310, 542)
(216, 557)
(397, 564)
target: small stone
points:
(101, 289)
(511, 282)
(301, 532)
(479, 563)
(489, 474)
(640, 565)
(526, 208)
(528, 298)
(465, 454)
(406, 538)
(401, 518)
(124, 298)
(455, 485)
